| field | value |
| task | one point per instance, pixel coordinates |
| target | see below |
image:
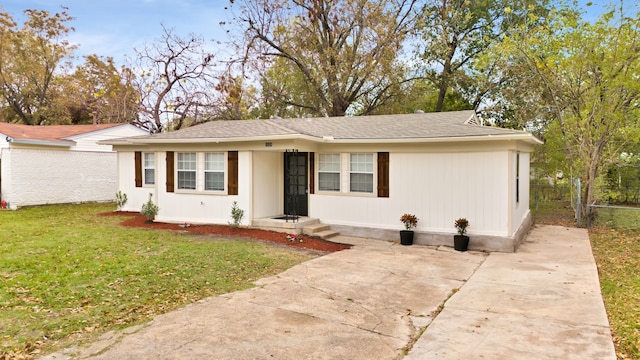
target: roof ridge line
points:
(285, 128)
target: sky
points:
(115, 27)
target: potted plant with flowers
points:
(410, 221)
(461, 241)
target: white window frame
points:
(220, 167)
(356, 169)
(149, 164)
(326, 167)
(182, 169)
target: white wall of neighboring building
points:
(437, 187)
(44, 176)
(89, 141)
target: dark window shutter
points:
(138, 161)
(312, 169)
(170, 171)
(232, 176)
(383, 174)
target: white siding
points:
(267, 184)
(520, 209)
(185, 206)
(437, 187)
(126, 180)
(38, 176)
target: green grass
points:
(617, 253)
(554, 213)
(622, 217)
(68, 274)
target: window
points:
(187, 171)
(149, 168)
(361, 176)
(329, 172)
(214, 171)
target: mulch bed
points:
(308, 242)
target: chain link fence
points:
(559, 202)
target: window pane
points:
(329, 181)
(149, 168)
(361, 182)
(187, 161)
(214, 162)
(362, 163)
(187, 180)
(149, 176)
(214, 181)
(329, 162)
(361, 177)
(149, 160)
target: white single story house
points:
(58, 163)
(358, 175)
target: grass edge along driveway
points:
(69, 275)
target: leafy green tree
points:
(586, 82)
(421, 95)
(456, 36)
(326, 57)
(29, 58)
(100, 92)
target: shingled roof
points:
(57, 135)
(403, 127)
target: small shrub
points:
(236, 214)
(121, 200)
(149, 209)
(461, 225)
(409, 221)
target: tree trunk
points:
(589, 189)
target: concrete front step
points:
(326, 234)
(322, 231)
(315, 228)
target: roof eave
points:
(327, 139)
(469, 138)
(67, 143)
(152, 141)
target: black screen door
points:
(295, 183)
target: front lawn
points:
(68, 274)
(617, 253)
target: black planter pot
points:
(406, 237)
(460, 242)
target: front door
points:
(295, 183)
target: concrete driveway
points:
(381, 300)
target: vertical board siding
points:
(312, 173)
(520, 209)
(438, 188)
(267, 184)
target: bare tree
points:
(175, 81)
